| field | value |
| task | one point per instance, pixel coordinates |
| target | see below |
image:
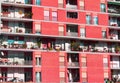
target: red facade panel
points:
(50, 3)
(50, 67)
(61, 15)
(82, 17)
(103, 19)
(92, 5)
(93, 32)
(49, 28)
(95, 68)
(38, 13)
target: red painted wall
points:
(95, 68)
(82, 17)
(38, 13)
(93, 32)
(61, 15)
(53, 3)
(50, 67)
(49, 28)
(92, 5)
(103, 19)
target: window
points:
(38, 61)
(82, 32)
(84, 76)
(81, 3)
(60, 3)
(46, 15)
(62, 61)
(103, 34)
(37, 28)
(83, 60)
(38, 2)
(102, 7)
(95, 20)
(61, 30)
(38, 77)
(105, 74)
(88, 19)
(62, 76)
(4, 74)
(54, 15)
(72, 15)
(105, 62)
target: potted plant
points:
(20, 12)
(50, 48)
(117, 48)
(28, 15)
(24, 45)
(75, 46)
(38, 43)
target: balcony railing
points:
(71, 6)
(73, 64)
(18, 30)
(114, 65)
(14, 63)
(113, 10)
(114, 0)
(27, 15)
(19, 1)
(72, 34)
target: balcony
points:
(72, 30)
(73, 64)
(113, 0)
(4, 62)
(114, 65)
(16, 12)
(19, 1)
(25, 15)
(73, 75)
(17, 30)
(71, 4)
(75, 34)
(68, 6)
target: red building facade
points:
(59, 41)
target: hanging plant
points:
(20, 12)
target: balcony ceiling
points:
(114, 3)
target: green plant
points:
(50, 48)
(28, 15)
(39, 43)
(75, 45)
(117, 48)
(25, 45)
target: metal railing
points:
(73, 64)
(114, 65)
(114, 0)
(72, 34)
(8, 14)
(7, 62)
(69, 6)
(20, 31)
(19, 2)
